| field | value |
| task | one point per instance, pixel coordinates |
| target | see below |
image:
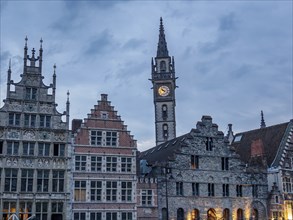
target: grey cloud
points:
(133, 44)
(227, 22)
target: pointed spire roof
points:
(262, 123)
(162, 44)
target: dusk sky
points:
(233, 58)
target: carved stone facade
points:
(34, 158)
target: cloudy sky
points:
(233, 58)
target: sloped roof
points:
(271, 138)
(164, 151)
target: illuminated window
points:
(27, 177)
(179, 188)
(45, 121)
(10, 180)
(80, 163)
(42, 210)
(211, 189)
(79, 190)
(212, 215)
(239, 190)
(126, 191)
(96, 190)
(30, 120)
(111, 191)
(194, 161)
(126, 215)
(226, 214)
(126, 164)
(42, 180)
(31, 93)
(111, 164)
(195, 214)
(240, 215)
(96, 164)
(43, 149)
(12, 148)
(14, 119)
(9, 208)
(58, 181)
(28, 148)
(255, 214)
(146, 197)
(25, 210)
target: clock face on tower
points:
(163, 91)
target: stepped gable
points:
(104, 116)
(271, 138)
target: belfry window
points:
(209, 144)
(165, 131)
(164, 112)
(163, 66)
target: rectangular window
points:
(96, 138)
(28, 148)
(95, 216)
(30, 120)
(57, 207)
(10, 180)
(80, 163)
(42, 210)
(277, 216)
(96, 164)
(111, 191)
(9, 208)
(59, 150)
(111, 216)
(211, 189)
(239, 190)
(14, 119)
(27, 177)
(43, 180)
(58, 181)
(1, 147)
(111, 138)
(126, 215)
(287, 184)
(12, 148)
(194, 162)
(43, 149)
(126, 191)
(179, 188)
(209, 144)
(45, 121)
(225, 163)
(195, 189)
(96, 190)
(126, 164)
(79, 190)
(225, 190)
(31, 93)
(111, 164)
(255, 191)
(146, 197)
(79, 216)
(25, 209)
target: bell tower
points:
(164, 85)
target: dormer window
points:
(164, 112)
(104, 115)
(163, 66)
(31, 93)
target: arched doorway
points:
(212, 214)
(195, 214)
(180, 214)
(240, 214)
(226, 214)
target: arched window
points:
(165, 131)
(195, 214)
(163, 66)
(164, 112)
(164, 214)
(255, 214)
(180, 214)
(226, 214)
(239, 214)
(212, 214)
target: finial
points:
(25, 41)
(54, 74)
(68, 94)
(262, 123)
(10, 64)
(41, 41)
(33, 52)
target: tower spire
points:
(25, 54)
(262, 123)
(8, 79)
(162, 44)
(41, 55)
